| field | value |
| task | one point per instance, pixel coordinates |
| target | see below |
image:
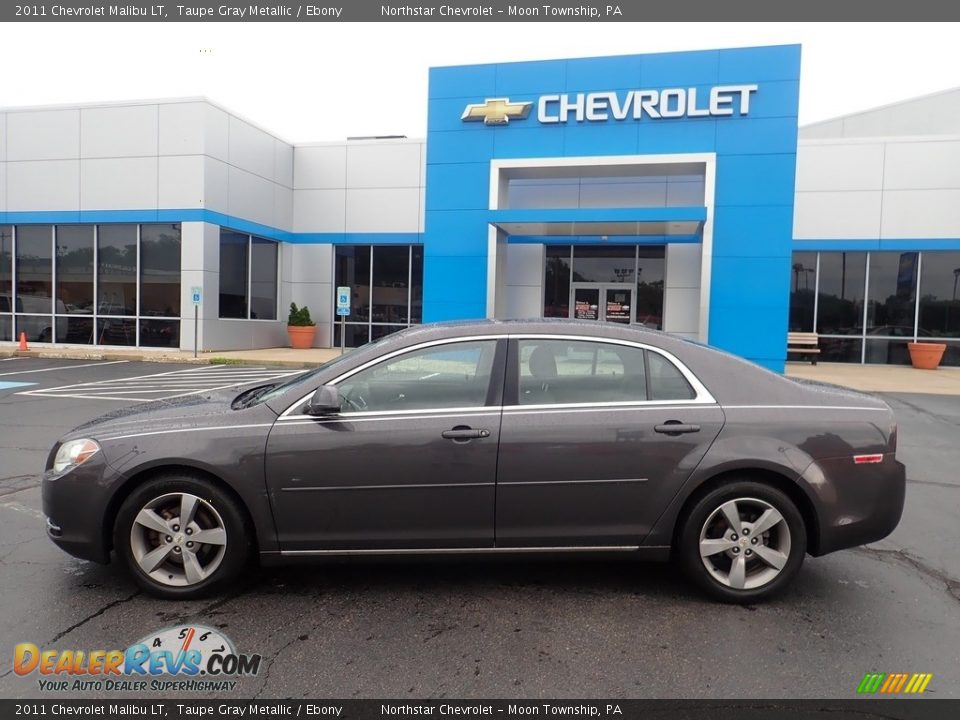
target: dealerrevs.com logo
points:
(184, 658)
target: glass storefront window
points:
(74, 282)
(908, 294)
(802, 290)
(116, 331)
(650, 279)
(356, 334)
(396, 302)
(416, 284)
(951, 358)
(353, 271)
(940, 295)
(556, 287)
(6, 282)
(160, 270)
(892, 295)
(34, 269)
(631, 187)
(234, 255)
(263, 279)
(603, 264)
(248, 276)
(840, 300)
(159, 333)
(834, 349)
(391, 267)
(75, 269)
(117, 269)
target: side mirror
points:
(325, 401)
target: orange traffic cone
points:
(23, 341)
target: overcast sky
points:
(312, 81)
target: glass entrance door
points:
(618, 304)
(602, 302)
(586, 303)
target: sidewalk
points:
(881, 378)
(275, 357)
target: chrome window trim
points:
(702, 395)
(607, 406)
(390, 415)
(376, 361)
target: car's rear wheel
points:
(743, 542)
(181, 536)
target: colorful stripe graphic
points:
(894, 683)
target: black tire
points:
(694, 521)
(238, 534)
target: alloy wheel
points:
(745, 543)
(178, 539)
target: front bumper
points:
(857, 504)
(75, 505)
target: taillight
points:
(867, 459)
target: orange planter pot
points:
(926, 356)
(301, 337)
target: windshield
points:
(276, 390)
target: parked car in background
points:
(34, 316)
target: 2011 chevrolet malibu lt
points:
(487, 437)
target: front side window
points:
(576, 371)
(443, 376)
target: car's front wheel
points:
(743, 541)
(181, 537)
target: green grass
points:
(225, 361)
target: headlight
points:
(75, 452)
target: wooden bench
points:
(804, 343)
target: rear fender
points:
(727, 455)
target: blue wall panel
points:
(756, 161)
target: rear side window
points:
(555, 372)
(666, 382)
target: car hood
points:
(205, 410)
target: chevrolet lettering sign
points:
(719, 101)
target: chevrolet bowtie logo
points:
(496, 111)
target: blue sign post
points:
(343, 309)
(196, 295)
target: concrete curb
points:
(159, 357)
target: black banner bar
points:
(478, 11)
(179, 709)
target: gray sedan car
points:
(487, 437)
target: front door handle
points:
(675, 427)
(462, 433)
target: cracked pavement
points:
(510, 628)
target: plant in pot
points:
(926, 355)
(300, 328)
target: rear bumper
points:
(858, 504)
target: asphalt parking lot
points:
(485, 629)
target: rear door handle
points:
(462, 432)
(675, 427)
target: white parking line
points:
(62, 367)
(165, 385)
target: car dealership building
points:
(672, 191)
